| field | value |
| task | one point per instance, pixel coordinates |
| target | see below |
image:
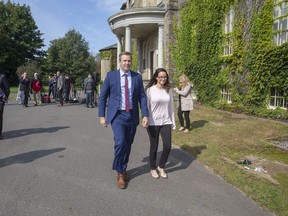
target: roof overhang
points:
(142, 21)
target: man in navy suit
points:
(123, 115)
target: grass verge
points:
(219, 139)
(13, 89)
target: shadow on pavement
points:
(27, 157)
(28, 131)
(177, 160)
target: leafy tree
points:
(31, 68)
(20, 39)
(70, 55)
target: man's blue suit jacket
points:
(111, 90)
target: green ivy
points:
(255, 66)
(110, 55)
(134, 66)
(105, 55)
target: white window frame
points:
(226, 94)
(229, 21)
(280, 24)
(228, 29)
(228, 46)
(277, 99)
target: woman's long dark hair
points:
(153, 80)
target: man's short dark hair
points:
(125, 53)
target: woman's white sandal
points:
(154, 174)
(162, 173)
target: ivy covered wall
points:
(255, 66)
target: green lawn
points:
(219, 139)
(13, 90)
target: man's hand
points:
(103, 121)
(145, 122)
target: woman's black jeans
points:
(154, 132)
(186, 117)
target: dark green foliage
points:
(70, 55)
(20, 39)
(30, 68)
(255, 66)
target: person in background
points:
(60, 84)
(36, 86)
(89, 88)
(50, 85)
(20, 93)
(25, 87)
(4, 95)
(123, 111)
(185, 104)
(54, 93)
(73, 88)
(66, 88)
(97, 79)
(161, 120)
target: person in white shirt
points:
(161, 119)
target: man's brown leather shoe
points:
(120, 181)
(126, 176)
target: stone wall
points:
(171, 12)
(105, 67)
(145, 3)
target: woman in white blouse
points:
(185, 102)
(161, 119)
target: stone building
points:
(108, 59)
(148, 23)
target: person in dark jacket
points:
(25, 87)
(97, 78)
(89, 88)
(4, 95)
(51, 82)
(54, 93)
(66, 88)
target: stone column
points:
(170, 13)
(140, 55)
(119, 47)
(160, 45)
(127, 39)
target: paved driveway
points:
(56, 161)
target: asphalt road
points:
(57, 161)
